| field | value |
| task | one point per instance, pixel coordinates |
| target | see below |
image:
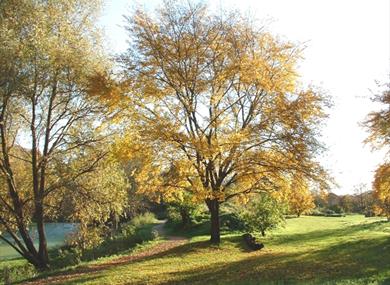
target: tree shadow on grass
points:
(345, 261)
(177, 250)
(217, 273)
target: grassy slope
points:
(309, 250)
(19, 269)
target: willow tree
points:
(217, 99)
(49, 125)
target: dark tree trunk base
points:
(215, 235)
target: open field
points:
(308, 250)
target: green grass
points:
(142, 233)
(308, 250)
(136, 248)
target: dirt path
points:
(169, 243)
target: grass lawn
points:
(308, 250)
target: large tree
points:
(218, 99)
(381, 191)
(378, 124)
(49, 125)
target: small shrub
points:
(184, 214)
(6, 275)
(128, 230)
(201, 217)
(142, 235)
(317, 212)
(329, 212)
(232, 221)
(290, 216)
(263, 214)
(173, 215)
(88, 236)
(137, 231)
(14, 274)
(143, 219)
(335, 215)
(369, 213)
(66, 256)
(336, 209)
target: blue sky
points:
(347, 51)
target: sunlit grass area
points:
(308, 250)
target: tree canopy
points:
(50, 125)
(219, 100)
(378, 124)
(202, 108)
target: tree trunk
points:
(37, 258)
(43, 255)
(215, 235)
(43, 263)
(185, 218)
